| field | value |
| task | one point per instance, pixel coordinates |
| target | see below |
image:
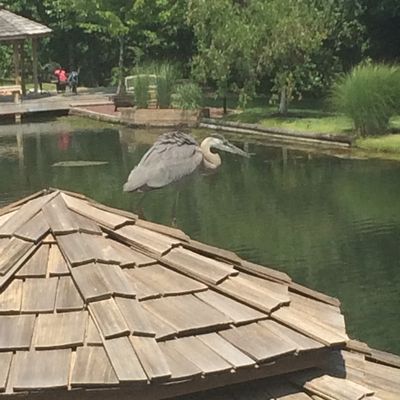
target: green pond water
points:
(332, 224)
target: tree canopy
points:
(281, 48)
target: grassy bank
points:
(383, 144)
(313, 116)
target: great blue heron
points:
(174, 156)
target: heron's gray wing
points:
(173, 156)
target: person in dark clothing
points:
(73, 81)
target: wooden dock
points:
(55, 103)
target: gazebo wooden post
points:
(17, 68)
(22, 63)
(35, 65)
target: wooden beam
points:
(17, 67)
(22, 63)
(17, 71)
(35, 65)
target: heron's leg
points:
(138, 207)
(175, 209)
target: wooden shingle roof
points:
(96, 298)
(15, 27)
(350, 374)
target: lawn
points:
(309, 115)
(312, 116)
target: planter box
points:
(160, 117)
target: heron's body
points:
(173, 156)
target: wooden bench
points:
(13, 90)
(123, 100)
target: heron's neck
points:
(210, 160)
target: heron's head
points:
(218, 142)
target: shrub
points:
(370, 96)
(187, 96)
(166, 77)
(141, 88)
(165, 74)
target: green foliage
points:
(294, 44)
(141, 87)
(166, 78)
(223, 37)
(385, 144)
(5, 61)
(288, 34)
(297, 46)
(188, 96)
(370, 96)
(166, 73)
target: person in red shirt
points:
(62, 79)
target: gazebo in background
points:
(14, 30)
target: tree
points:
(382, 22)
(160, 30)
(222, 38)
(110, 17)
(296, 44)
(287, 33)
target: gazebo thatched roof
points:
(97, 302)
(14, 27)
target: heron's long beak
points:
(230, 148)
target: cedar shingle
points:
(90, 282)
(24, 214)
(10, 298)
(239, 312)
(92, 368)
(41, 369)
(151, 358)
(102, 217)
(36, 266)
(257, 342)
(11, 251)
(16, 331)
(226, 350)
(165, 281)
(108, 318)
(124, 360)
(135, 316)
(198, 266)
(39, 295)
(5, 362)
(60, 330)
(199, 354)
(33, 230)
(68, 297)
(76, 248)
(249, 294)
(57, 263)
(147, 240)
(187, 313)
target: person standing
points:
(62, 78)
(73, 81)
